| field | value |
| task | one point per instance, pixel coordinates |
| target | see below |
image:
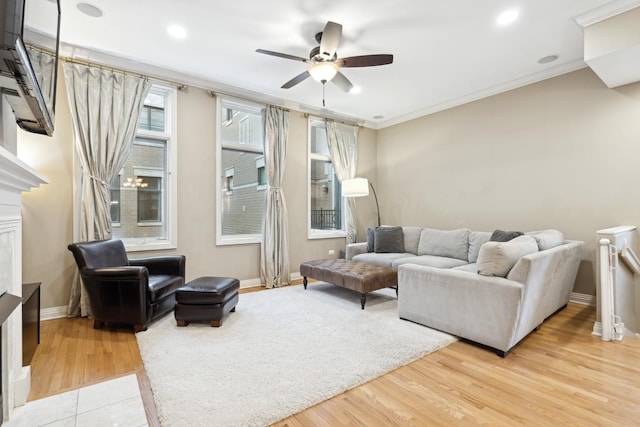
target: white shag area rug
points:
(282, 351)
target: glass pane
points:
(143, 193)
(241, 127)
(243, 207)
(114, 189)
(262, 176)
(318, 136)
(149, 199)
(326, 198)
(156, 119)
(152, 116)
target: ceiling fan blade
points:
(365, 61)
(342, 82)
(331, 36)
(297, 79)
(282, 55)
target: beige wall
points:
(47, 216)
(562, 153)
(48, 210)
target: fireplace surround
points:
(15, 178)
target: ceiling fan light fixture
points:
(323, 71)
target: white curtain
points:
(274, 251)
(105, 106)
(343, 147)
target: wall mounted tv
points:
(30, 34)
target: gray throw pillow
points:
(504, 236)
(498, 258)
(371, 238)
(389, 240)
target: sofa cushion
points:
(429, 261)
(411, 239)
(476, 240)
(389, 240)
(471, 268)
(383, 260)
(452, 244)
(371, 238)
(498, 258)
(504, 236)
(547, 239)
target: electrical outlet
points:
(332, 252)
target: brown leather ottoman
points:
(358, 276)
(206, 299)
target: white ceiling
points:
(445, 53)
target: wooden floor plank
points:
(559, 375)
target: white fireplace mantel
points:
(15, 177)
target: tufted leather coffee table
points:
(357, 276)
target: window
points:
(152, 114)
(262, 173)
(240, 157)
(150, 200)
(145, 187)
(114, 189)
(326, 215)
(229, 180)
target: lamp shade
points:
(355, 187)
(323, 71)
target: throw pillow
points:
(547, 239)
(371, 238)
(449, 243)
(476, 240)
(504, 236)
(498, 258)
(389, 240)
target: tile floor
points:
(110, 403)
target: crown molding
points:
(606, 11)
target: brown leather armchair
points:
(127, 291)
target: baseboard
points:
(584, 299)
(250, 283)
(53, 313)
(597, 329)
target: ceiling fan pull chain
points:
(323, 84)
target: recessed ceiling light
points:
(89, 10)
(378, 117)
(177, 31)
(507, 17)
(547, 59)
(355, 89)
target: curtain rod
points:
(214, 93)
(358, 125)
(179, 86)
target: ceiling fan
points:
(324, 64)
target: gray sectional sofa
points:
(461, 282)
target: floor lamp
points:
(359, 187)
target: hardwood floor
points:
(559, 375)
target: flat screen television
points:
(29, 42)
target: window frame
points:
(313, 233)
(169, 138)
(228, 101)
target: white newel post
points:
(617, 283)
(15, 177)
